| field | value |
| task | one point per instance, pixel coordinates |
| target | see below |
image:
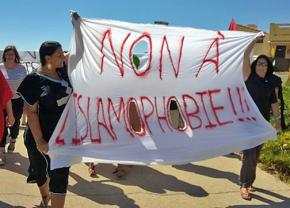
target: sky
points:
(27, 23)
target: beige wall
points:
(280, 36)
(263, 48)
(279, 32)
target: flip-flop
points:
(92, 171)
(44, 202)
(245, 194)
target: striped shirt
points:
(14, 77)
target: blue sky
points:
(27, 23)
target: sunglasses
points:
(262, 64)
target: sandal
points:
(245, 194)
(44, 202)
(92, 170)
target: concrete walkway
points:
(205, 184)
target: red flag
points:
(233, 25)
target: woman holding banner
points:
(5, 104)
(262, 91)
(45, 94)
(14, 73)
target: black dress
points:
(51, 96)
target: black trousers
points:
(249, 165)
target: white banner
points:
(199, 69)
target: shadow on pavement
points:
(234, 156)
(285, 202)
(152, 180)
(16, 163)
(271, 204)
(142, 176)
(210, 172)
(5, 205)
(100, 193)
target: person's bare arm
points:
(10, 117)
(276, 114)
(34, 125)
(246, 63)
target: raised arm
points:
(77, 48)
(246, 63)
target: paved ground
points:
(206, 184)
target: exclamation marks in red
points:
(239, 104)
